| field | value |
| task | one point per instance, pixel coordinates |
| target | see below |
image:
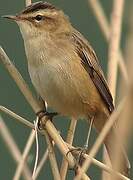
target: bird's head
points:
(41, 18)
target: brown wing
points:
(91, 65)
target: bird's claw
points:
(41, 114)
(79, 157)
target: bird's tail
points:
(110, 141)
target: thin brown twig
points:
(24, 155)
(105, 27)
(36, 107)
(13, 149)
(69, 140)
(27, 123)
(94, 161)
(101, 138)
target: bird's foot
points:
(79, 152)
(48, 115)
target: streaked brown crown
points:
(38, 6)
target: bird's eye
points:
(38, 17)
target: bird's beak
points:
(14, 18)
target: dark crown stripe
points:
(38, 6)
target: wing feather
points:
(90, 63)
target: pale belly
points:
(65, 90)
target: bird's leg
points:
(86, 145)
(81, 150)
(88, 135)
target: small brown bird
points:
(64, 68)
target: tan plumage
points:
(64, 68)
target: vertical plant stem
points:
(114, 43)
(41, 164)
(69, 140)
(105, 27)
(52, 158)
(124, 128)
(24, 155)
(13, 149)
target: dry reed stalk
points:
(41, 164)
(52, 158)
(30, 125)
(114, 43)
(24, 156)
(101, 138)
(124, 128)
(69, 140)
(26, 122)
(94, 161)
(36, 107)
(105, 27)
(125, 120)
(13, 149)
(17, 117)
(129, 45)
(106, 160)
(101, 165)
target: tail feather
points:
(109, 141)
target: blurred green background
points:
(10, 39)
